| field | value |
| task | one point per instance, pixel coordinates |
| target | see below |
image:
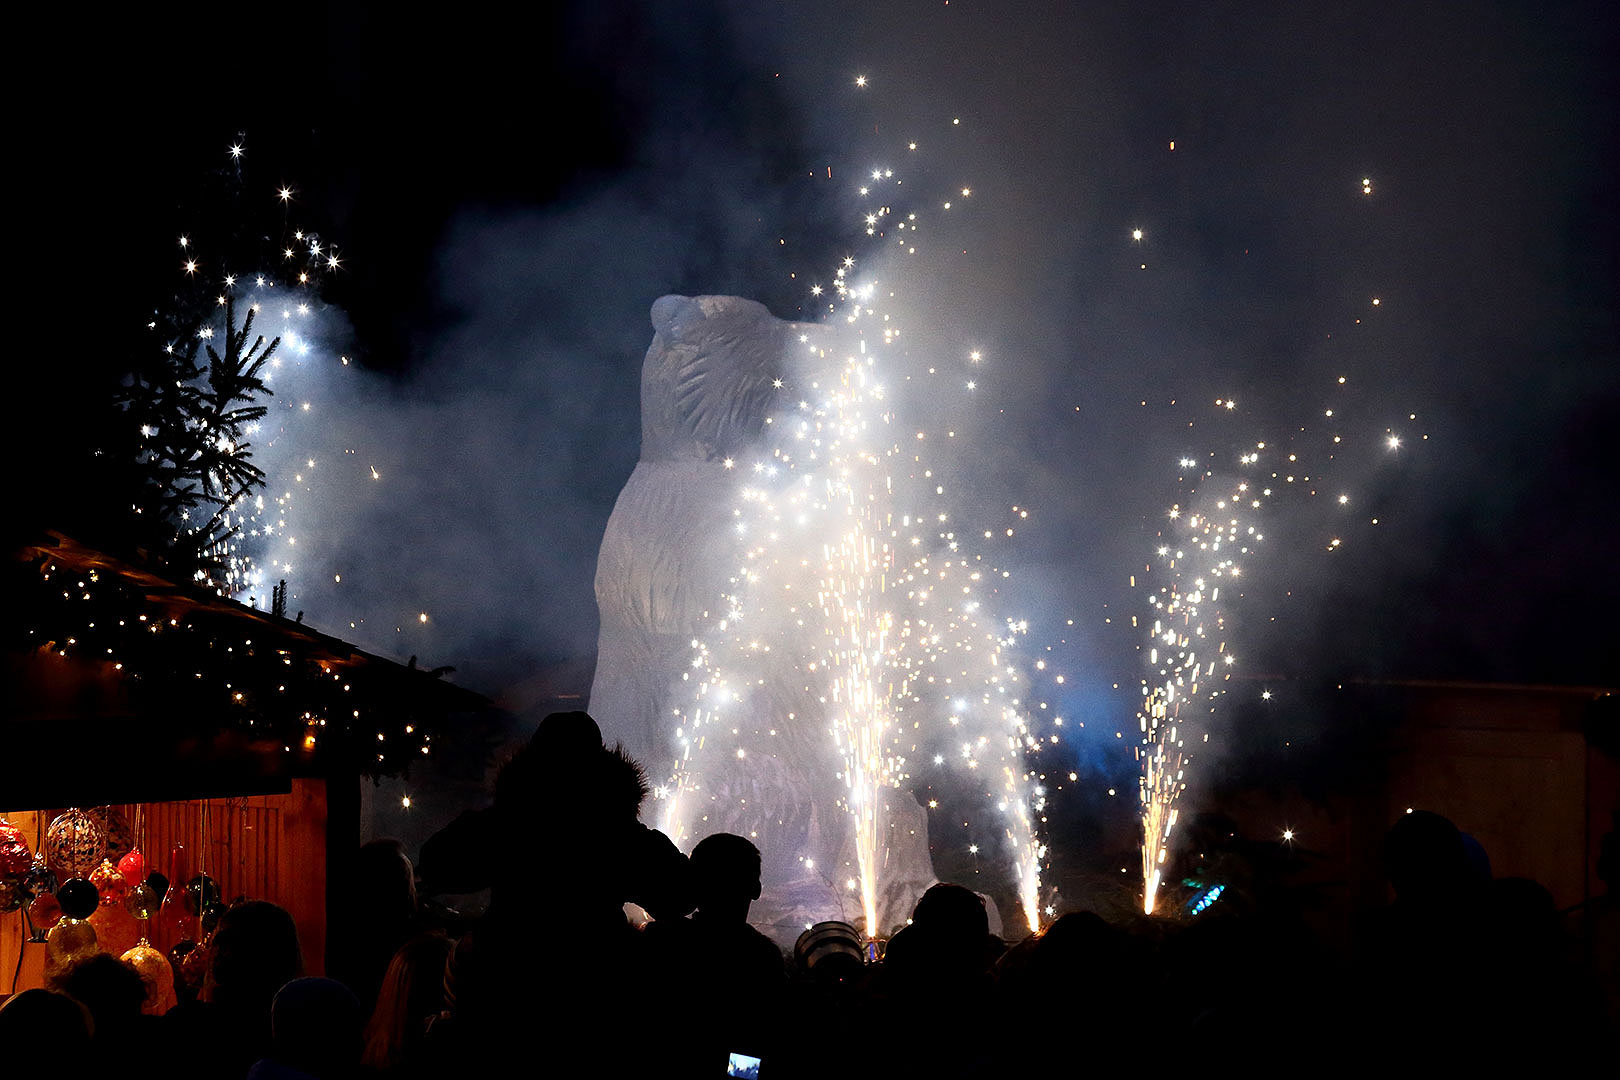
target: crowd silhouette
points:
(1461, 970)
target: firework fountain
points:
(1218, 523)
(851, 652)
(852, 582)
(1186, 650)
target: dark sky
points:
(512, 192)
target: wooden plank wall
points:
(262, 847)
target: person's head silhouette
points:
(726, 870)
(1426, 858)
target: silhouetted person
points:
(1264, 963)
(1534, 995)
(41, 1029)
(409, 1003)
(113, 992)
(1075, 977)
(315, 1033)
(935, 983)
(726, 876)
(948, 939)
(383, 917)
(545, 788)
(253, 954)
(1078, 974)
(1428, 863)
(1596, 928)
(728, 977)
(1422, 979)
(546, 972)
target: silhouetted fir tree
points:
(192, 460)
(146, 447)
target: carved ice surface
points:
(665, 561)
(667, 583)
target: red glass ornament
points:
(133, 867)
(176, 917)
(109, 883)
(44, 911)
(15, 857)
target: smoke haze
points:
(512, 205)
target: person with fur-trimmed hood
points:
(562, 850)
(567, 791)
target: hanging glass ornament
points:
(15, 858)
(11, 894)
(133, 867)
(116, 929)
(75, 844)
(70, 940)
(156, 973)
(44, 912)
(202, 892)
(141, 901)
(109, 883)
(191, 962)
(159, 884)
(39, 881)
(79, 898)
(177, 922)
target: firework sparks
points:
(251, 532)
(854, 583)
(1216, 527)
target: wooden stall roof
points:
(227, 699)
(181, 599)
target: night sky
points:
(511, 194)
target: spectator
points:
(383, 918)
(315, 1033)
(411, 1001)
(728, 976)
(253, 954)
(542, 978)
(40, 1029)
(935, 982)
(113, 993)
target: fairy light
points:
(200, 660)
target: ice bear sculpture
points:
(706, 389)
(708, 384)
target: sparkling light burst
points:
(256, 538)
(1211, 533)
(853, 582)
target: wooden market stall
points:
(219, 739)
